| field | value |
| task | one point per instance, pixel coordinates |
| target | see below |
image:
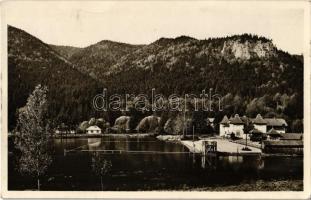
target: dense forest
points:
(32, 62)
(248, 71)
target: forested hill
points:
(95, 60)
(30, 62)
(247, 64)
(249, 71)
(251, 74)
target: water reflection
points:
(93, 143)
(131, 170)
(151, 161)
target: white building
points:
(260, 124)
(233, 125)
(236, 126)
(224, 130)
(93, 130)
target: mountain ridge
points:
(247, 67)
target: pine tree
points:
(32, 135)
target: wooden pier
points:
(219, 147)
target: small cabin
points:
(93, 130)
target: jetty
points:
(224, 147)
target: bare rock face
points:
(83, 126)
(246, 50)
(174, 126)
(92, 121)
(122, 123)
(148, 124)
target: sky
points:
(142, 22)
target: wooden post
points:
(204, 148)
(184, 124)
(38, 184)
(193, 143)
(237, 153)
(261, 141)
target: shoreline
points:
(174, 139)
(177, 139)
(125, 135)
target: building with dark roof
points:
(224, 127)
(283, 146)
(278, 124)
(236, 125)
(260, 124)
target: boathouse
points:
(284, 146)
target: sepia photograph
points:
(162, 96)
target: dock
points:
(224, 147)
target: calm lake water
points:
(137, 171)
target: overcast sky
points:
(84, 23)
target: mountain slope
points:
(96, 59)
(66, 51)
(246, 64)
(253, 63)
(32, 62)
(248, 71)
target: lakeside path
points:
(223, 146)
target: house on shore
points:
(272, 134)
(235, 125)
(93, 130)
(259, 123)
(278, 124)
(224, 127)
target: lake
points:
(162, 166)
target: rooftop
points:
(93, 128)
(273, 132)
(225, 120)
(275, 122)
(291, 136)
(236, 120)
(259, 120)
(284, 142)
